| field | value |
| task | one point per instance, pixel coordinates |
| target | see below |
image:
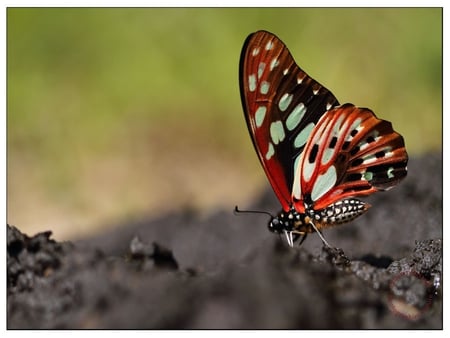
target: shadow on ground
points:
(228, 272)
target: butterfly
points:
(318, 155)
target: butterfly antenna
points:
(320, 235)
(237, 211)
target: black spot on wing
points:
(313, 154)
(354, 151)
(333, 142)
(379, 154)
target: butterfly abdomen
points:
(337, 213)
(340, 212)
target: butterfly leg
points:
(303, 238)
(289, 238)
(298, 234)
(320, 234)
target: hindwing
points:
(350, 153)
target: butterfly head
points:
(276, 225)
(286, 221)
(292, 224)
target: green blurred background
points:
(115, 114)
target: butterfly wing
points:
(350, 153)
(282, 105)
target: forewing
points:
(350, 153)
(282, 105)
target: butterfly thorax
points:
(340, 212)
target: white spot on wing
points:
(369, 159)
(255, 51)
(300, 78)
(285, 71)
(363, 145)
(269, 45)
(296, 187)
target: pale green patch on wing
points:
(324, 183)
(252, 82)
(295, 116)
(368, 175)
(277, 132)
(270, 151)
(302, 136)
(327, 155)
(260, 115)
(356, 124)
(307, 170)
(390, 172)
(264, 89)
(285, 101)
(337, 126)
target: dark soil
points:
(224, 271)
